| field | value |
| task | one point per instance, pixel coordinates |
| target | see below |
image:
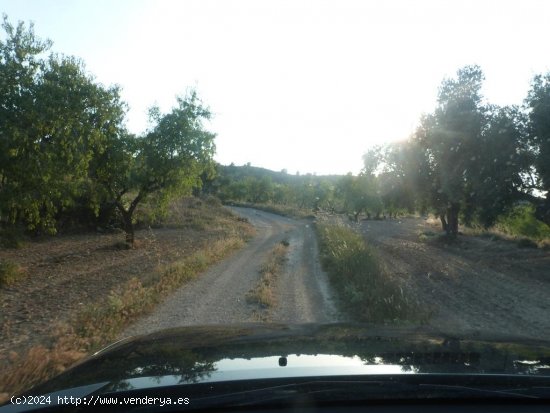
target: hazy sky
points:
(302, 85)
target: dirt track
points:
(219, 295)
(475, 284)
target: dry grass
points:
(101, 323)
(37, 365)
(10, 272)
(97, 324)
(263, 294)
(496, 234)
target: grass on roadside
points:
(101, 323)
(263, 293)
(366, 291)
(98, 324)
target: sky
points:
(306, 86)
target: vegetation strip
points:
(366, 291)
(98, 324)
(263, 293)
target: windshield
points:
(173, 164)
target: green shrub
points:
(521, 222)
(367, 292)
(9, 273)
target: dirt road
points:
(219, 296)
(476, 284)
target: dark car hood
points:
(220, 353)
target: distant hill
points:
(234, 172)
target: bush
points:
(521, 222)
(212, 201)
(9, 273)
(366, 290)
(545, 245)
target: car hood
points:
(201, 354)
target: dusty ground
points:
(219, 296)
(67, 272)
(475, 284)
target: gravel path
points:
(219, 295)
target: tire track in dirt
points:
(218, 296)
(303, 290)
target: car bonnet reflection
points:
(272, 367)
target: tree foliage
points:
(360, 194)
(538, 107)
(55, 118)
(63, 143)
(467, 158)
(63, 146)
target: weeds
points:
(519, 226)
(10, 273)
(366, 291)
(102, 322)
(521, 222)
(263, 293)
(38, 365)
(427, 236)
(497, 233)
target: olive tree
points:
(166, 161)
(54, 119)
(538, 107)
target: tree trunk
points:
(444, 224)
(452, 218)
(128, 228)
